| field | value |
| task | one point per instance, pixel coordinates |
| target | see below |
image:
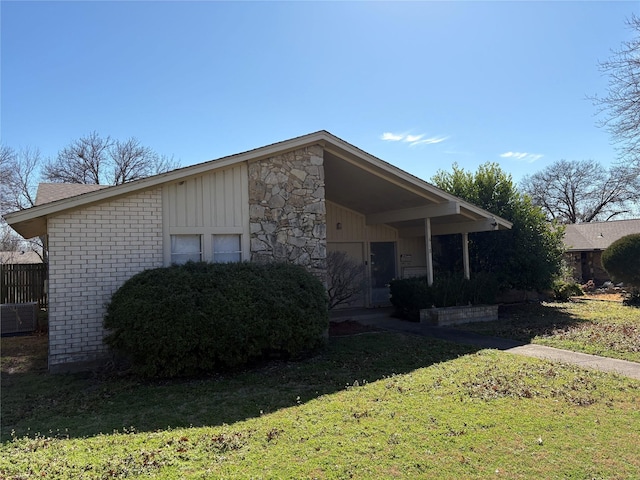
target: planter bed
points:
(458, 315)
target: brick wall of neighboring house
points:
(92, 252)
(588, 266)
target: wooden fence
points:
(22, 283)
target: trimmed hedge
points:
(411, 295)
(200, 317)
(621, 260)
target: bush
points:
(621, 260)
(411, 295)
(562, 290)
(199, 318)
(632, 299)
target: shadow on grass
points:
(526, 322)
(82, 405)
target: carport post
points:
(465, 255)
(427, 241)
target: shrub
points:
(346, 279)
(562, 290)
(621, 260)
(632, 299)
(411, 295)
(199, 317)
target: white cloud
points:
(392, 137)
(429, 141)
(412, 140)
(522, 156)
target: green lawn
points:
(604, 328)
(377, 405)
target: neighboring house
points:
(291, 201)
(19, 257)
(585, 243)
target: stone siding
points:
(92, 252)
(287, 211)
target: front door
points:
(383, 270)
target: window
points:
(185, 248)
(226, 248)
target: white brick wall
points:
(92, 252)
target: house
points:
(19, 257)
(290, 201)
(585, 243)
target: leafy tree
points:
(621, 260)
(584, 191)
(621, 105)
(529, 255)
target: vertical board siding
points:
(354, 227)
(208, 201)
(23, 283)
(353, 224)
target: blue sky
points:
(419, 84)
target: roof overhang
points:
(353, 178)
(388, 195)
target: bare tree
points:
(91, 159)
(18, 172)
(621, 105)
(132, 161)
(7, 161)
(584, 191)
(103, 160)
(345, 277)
(82, 161)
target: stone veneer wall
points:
(287, 211)
(92, 252)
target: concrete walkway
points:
(380, 318)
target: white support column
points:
(427, 241)
(465, 255)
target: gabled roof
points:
(21, 257)
(51, 192)
(598, 235)
(341, 158)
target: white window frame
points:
(206, 241)
(174, 255)
(215, 254)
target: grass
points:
(373, 405)
(604, 328)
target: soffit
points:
(368, 188)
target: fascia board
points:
(160, 179)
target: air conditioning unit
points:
(18, 318)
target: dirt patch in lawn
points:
(609, 297)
